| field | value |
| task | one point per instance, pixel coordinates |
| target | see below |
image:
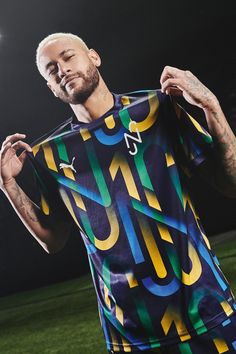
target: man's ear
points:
(94, 56)
(52, 89)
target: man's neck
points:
(96, 105)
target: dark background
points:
(135, 39)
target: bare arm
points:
(51, 236)
(225, 142)
(221, 172)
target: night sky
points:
(135, 39)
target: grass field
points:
(63, 318)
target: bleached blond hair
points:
(52, 37)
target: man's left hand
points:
(178, 82)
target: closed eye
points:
(52, 71)
(69, 57)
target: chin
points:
(80, 96)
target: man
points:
(120, 166)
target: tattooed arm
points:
(51, 236)
(221, 172)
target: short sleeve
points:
(47, 187)
(50, 202)
(194, 142)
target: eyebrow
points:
(50, 63)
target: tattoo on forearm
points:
(226, 147)
(197, 89)
(25, 204)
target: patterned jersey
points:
(123, 179)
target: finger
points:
(170, 83)
(174, 91)
(7, 153)
(12, 138)
(14, 147)
(5, 149)
(170, 71)
(21, 144)
(22, 157)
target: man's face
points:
(70, 70)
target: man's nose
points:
(63, 69)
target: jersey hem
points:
(177, 339)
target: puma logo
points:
(128, 136)
(65, 165)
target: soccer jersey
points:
(123, 179)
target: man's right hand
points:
(11, 164)
(51, 237)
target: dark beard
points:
(90, 83)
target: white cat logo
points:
(138, 139)
(65, 165)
